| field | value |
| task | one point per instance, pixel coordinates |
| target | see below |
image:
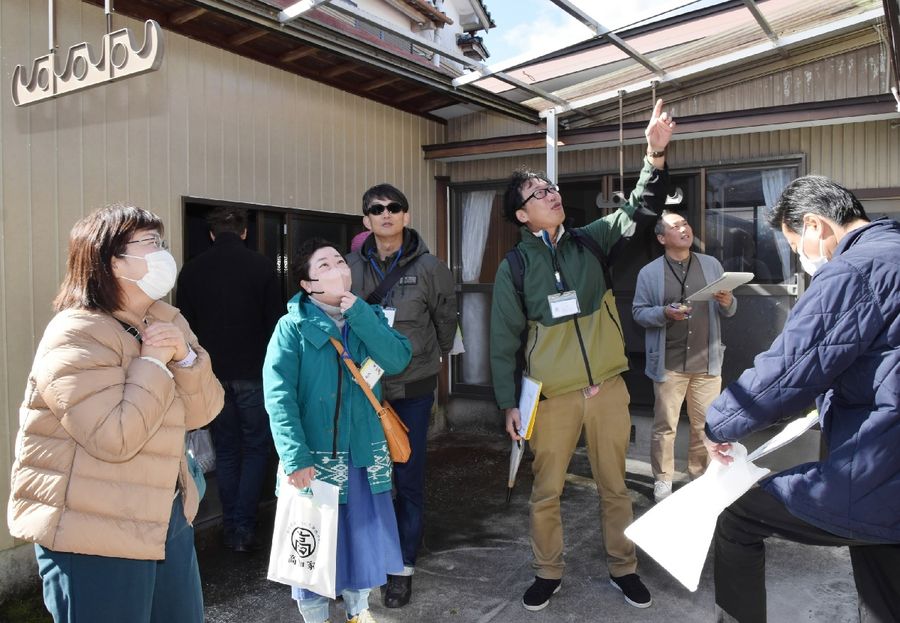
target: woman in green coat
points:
(324, 426)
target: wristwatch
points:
(656, 154)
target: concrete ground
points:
(475, 562)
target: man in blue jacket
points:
(840, 347)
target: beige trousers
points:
(606, 423)
(699, 390)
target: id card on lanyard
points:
(564, 302)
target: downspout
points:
(892, 26)
(436, 58)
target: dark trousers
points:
(409, 477)
(80, 587)
(740, 560)
(243, 443)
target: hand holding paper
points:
(677, 531)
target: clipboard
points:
(528, 405)
(728, 281)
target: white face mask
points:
(809, 264)
(162, 271)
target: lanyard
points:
(393, 264)
(687, 271)
(557, 270)
(345, 334)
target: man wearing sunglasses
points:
(417, 292)
(575, 348)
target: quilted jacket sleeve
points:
(832, 324)
(109, 409)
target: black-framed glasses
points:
(540, 193)
(378, 208)
(155, 240)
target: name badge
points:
(563, 304)
(389, 314)
(371, 371)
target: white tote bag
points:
(304, 543)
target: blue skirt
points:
(368, 544)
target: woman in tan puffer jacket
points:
(100, 483)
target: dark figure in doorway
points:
(416, 290)
(840, 347)
(231, 297)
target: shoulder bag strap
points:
(356, 375)
(377, 295)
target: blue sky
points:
(534, 27)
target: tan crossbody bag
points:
(395, 431)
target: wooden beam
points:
(417, 17)
(380, 82)
(183, 16)
(246, 36)
(296, 54)
(410, 94)
(339, 70)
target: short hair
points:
(817, 195)
(512, 197)
(225, 219)
(660, 228)
(304, 254)
(93, 243)
(384, 191)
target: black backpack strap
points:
(377, 295)
(584, 240)
(517, 272)
(516, 262)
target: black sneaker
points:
(245, 541)
(399, 590)
(633, 589)
(538, 595)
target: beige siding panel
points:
(486, 125)
(860, 155)
(16, 301)
(857, 72)
(208, 124)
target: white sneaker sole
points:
(543, 605)
(633, 603)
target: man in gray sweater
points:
(683, 344)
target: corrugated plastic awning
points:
(591, 73)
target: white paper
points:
(728, 281)
(787, 435)
(677, 531)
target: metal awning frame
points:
(729, 59)
(296, 10)
(550, 116)
(322, 36)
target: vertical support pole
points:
(108, 9)
(51, 21)
(552, 140)
(621, 145)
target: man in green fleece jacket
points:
(575, 347)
